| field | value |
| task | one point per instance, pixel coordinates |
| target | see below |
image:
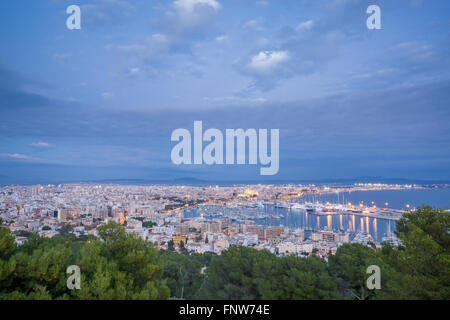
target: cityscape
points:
(220, 158)
(226, 216)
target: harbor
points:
(379, 223)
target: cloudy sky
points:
(102, 102)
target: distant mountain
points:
(190, 180)
(5, 180)
(186, 180)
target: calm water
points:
(395, 199)
(300, 219)
(378, 228)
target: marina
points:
(379, 223)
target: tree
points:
(111, 232)
(66, 229)
(7, 243)
(171, 245)
(349, 267)
(116, 266)
(183, 249)
(183, 274)
(133, 256)
(7, 263)
(418, 269)
(300, 279)
(119, 265)
(148, 224)
(421, 265)
(235, 274)
(245, 273)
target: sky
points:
(101, 102)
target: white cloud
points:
(255, 24)
(305, 25)
(187, 14)
(221, 39)
(189, 6)
(266, 61)
(14, 155)
(159, 37)
(41, 144)
(134, 71)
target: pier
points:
(339, 209)
(379, 213)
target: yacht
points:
(297, 206)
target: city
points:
(224, 158)
(226, 216)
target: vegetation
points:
(115, 266)
(244, 273)
(148, 224)
(118, 265)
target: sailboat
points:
(390, 237)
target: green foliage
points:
(422, 264)
(148, 224)
(65, 229)
(418, 269)
(301, 279)
(349, 266)
(183, 274)
(116, 266)
(119, 265)
(7, 243)
(22, 233)
(244, 273)
(183, 249)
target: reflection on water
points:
(375, 231)
(300, 219)
(378, 228)
(367, 225)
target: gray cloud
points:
(386, 125)
(183, 24)
(13, 94)
(311, 44)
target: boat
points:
(297, 206)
